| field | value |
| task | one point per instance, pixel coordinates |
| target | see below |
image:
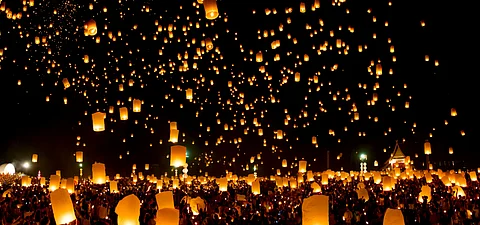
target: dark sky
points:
(50, 129)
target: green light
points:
(363, 157)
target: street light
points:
(26, 165)
(363, 157)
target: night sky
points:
(50, 129)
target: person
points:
(348, 216)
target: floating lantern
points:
(98, 173)
(137, 105)
(123, 113)
(427, 148)
(315, 210)
(302, 166)
(62, 206)
(98, 120)
(393, 217)
(34, 158)
(168, 216)
(211, 10)
(79, 156)
(178, 155)
(90, 28)
(128, 210)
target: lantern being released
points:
(128, 210)
(168, 216)
(165, 200)
(302, 166)
(178, 156)
(98, 173)
(211, 10)
(315, 210)
(62, 206)
(98, 120)
(393, 217)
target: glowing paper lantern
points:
(62, 206)
(315, 187)
(426, 191)
(123, 113)
(315, 210)
(453, 112)
(147, 166)
(211, 10)
(165, 200)
(279, 134)
(197, 204)
(189, 94)
(113, 186)
(256, 187)
(98, 120)
(137, 105)
(34, 158)
(79, 156)
(427, 148)
(98, 173)
(387, 183)
(54, 182)
(128, 210)
(393, 217)
(284, 163)
(70, 185)
(223, 184)
(174, 136)
(302, 166)
(26, 181)
(450, 151)
(90, 28)
(168, 216)
(42, 181)
(363, 194)
(178, 155)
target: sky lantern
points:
(178, 156)
(279, 134)
(189, 94)
(211, 10)
(62, 206)
(315, 210)
(223, 184)
(79, 156)
(378, 69)
(427, 148)
(65, 82)
(297, 77)
(393, 217)
(90, 28)
(284, 163)
(70, 186)
(164, 200)
(98, 173)
(208, 44)
(168, 216)
(113, 186)
(54, 182)
(34, 158)
(174, 135)
(450, 151)
(256, 187)
(137, 105)
(259, 57)
(98, 121)
(387, 183)
(128, 210)
(147, 166)
(302, 166)
(453, 112)
(123, 113)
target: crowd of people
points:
(94, 204)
